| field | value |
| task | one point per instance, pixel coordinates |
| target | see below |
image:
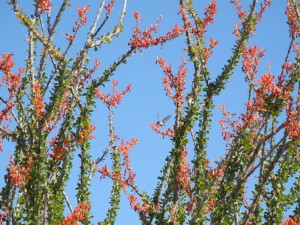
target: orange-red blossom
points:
(78, 214)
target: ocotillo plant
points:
(47, 106)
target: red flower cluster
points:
(177, 82)
(145, 39)
(82, 15)
(78, 214)
(292, 20)
(296, 49)
(12, 80)
(60, 149)
(115, 98)
(109, 7)
(251, 60)
(168, 132)
(291, 221)
(86, 133)
(19, 174)
(44, 5)
(9, 78)
(209, 18)
(268, 88)
(128, 172)
(124, 149)
(292, 124)
(79, 23)
(241, 14)
(264, 6)
(209, 50)
(210, 13)
(70, 37)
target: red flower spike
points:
(264, 6)
(115, 98)
(210, 13)
(291, 221)
(19, 174)
(241, 14)
(251, 60)
(174, 82)
(137, 17)
(12, 80)
(70, 38)
(78, 214)
(168, 132)
(208, 51)
(82, 15)
(292, 124)
(144, 39)
(292, 20)
(109, 7)
(44, 5)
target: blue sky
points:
(140, 107)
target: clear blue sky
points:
(140, 107)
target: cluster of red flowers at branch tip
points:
(12, 80)
(44, 5)
(169, 132)
(210, 13)
(251, 58)
(82, 15)
(242, 14)
(115, 98)
(171, 81)
(209, 50)
(109, 7)
(293, 21)
(209, 18)
(19, 174)
(79, 23)
(145, 39)
(9, 78)
(296, 49)
(78, 214)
